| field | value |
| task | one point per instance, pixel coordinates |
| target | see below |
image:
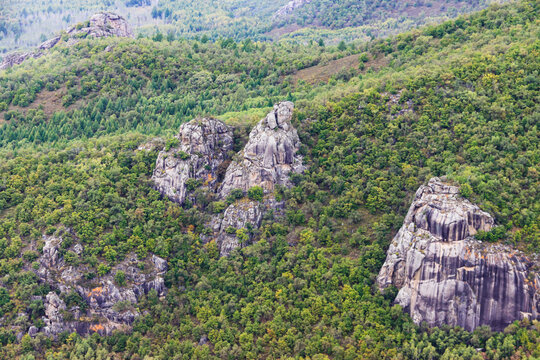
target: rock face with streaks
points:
(203, 146)
(269, 156)
(267, 160)
(445, 276)
(100, 25)
(101, 304)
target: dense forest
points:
(459, 99)
(352, 19)
(351, 13)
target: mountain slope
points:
(457, 99)
(25, 24)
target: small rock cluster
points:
(103, 305)
(103, 24)
(289, 8)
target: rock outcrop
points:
(289, 8)
(246, 216)
(104, 24)
(100, 25)
(202, 154)
(266, 161)
(445, 276)
(154, 144)
(269, 156)
(97, 304)
(17, 58)
(203, 146)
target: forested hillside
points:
(376, 120)
(24, 24)
(147, 85)
(334, 21)
(309, 20)
(27, 23)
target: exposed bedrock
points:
(269, 156)
(202, 154)
(203, 145)
(98, 304)
(445, 276)
(104, 24)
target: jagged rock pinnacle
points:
(269, 156)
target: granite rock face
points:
(100, 25)
(267, 160)
(202, 154)
(445, 276)
(203, 146)
(103, 304)
(269, 156)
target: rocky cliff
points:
(445, 276)
(201, 154)
(202, 147)
(88, 304)
(103, 24)
(269, 156)
(267, 160)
